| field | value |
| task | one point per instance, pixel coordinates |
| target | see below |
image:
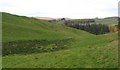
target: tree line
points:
(89, 27)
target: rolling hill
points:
(82, 49)
(108, 21)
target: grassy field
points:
(82, 49)
(108, 21)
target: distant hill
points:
(111, 17)
(108, 20)
(44, 18)
(48, 18)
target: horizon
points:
(60, 17)
(61, 8)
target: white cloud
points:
(61, 8)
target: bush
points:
(33, 46)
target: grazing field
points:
(29, 43)
(108, 21)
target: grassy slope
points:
(86, 50)
(19, 28)
(110, 21)
(0, 27)
(0, 40)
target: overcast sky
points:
(61, 8)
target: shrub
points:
(33, 46)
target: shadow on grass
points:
(34, 46)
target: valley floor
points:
(91, 52)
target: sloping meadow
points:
(23, 35)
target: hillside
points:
(109, 21)
(16, 28)
(82, 49)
